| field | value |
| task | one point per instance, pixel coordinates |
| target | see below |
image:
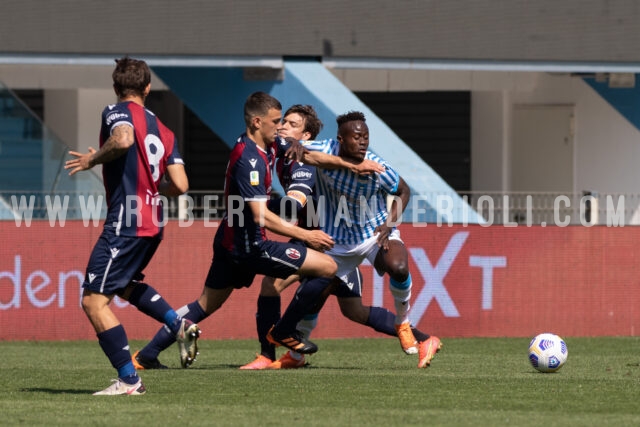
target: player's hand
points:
(318, 240)
(82, 162)
(296, 150)
(383, 232)
(367, 167)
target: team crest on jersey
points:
(254, 178)
(292, 253)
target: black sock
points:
(307, 295)
(420, 336)
(268, 315)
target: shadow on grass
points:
(55, 391)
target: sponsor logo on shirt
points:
(115, 116)
(302, 175)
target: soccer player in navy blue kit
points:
(241, 249)
(141, 162)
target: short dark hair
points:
(130, 77)
(312, 123)
(351, 116)
(259, 104)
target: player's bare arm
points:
(296, 151)
(328, 161)
(395, 213)
(262, 216)
(119, 142)
(175, 182)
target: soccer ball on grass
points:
(547, 352)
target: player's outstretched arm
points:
(311, 155)
(119, 142)
(328, 161)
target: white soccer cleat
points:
(120, 387)
(187, 339)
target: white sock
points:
(295, 355)
(305, 326)
(401, 299)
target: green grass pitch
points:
(362, 382)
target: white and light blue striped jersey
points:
(351, 206)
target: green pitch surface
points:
(471, 382)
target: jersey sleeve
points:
(303, 181)
(116, 115)
(389, 179)
(327, 146)
(281, 146)
(250, 179)
(174, 157)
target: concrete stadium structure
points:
(551, 97)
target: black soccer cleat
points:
(295, 342)
(140, 363)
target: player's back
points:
(132, 180)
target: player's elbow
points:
(177, 179)
(182, 186)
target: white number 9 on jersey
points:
(155, 153)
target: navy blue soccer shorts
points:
(350, 285)
(269, 258)
(117, 260)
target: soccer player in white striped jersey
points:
(353, 211)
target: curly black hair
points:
(351, 116)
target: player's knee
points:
(87, 307)
(327, 267)
(268, 287)
(331, 268)
(211, 301)
(399, 270)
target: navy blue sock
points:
(268, 315)
(307, 295)
(420, 336)
(165, 337)
(382, 320)
(115, 345)
(146, 299)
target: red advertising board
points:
(467, 281)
